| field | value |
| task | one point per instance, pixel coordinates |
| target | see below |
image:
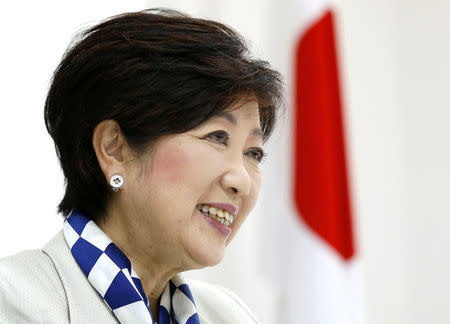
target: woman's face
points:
(216, 162)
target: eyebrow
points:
(228, 116)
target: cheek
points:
(247, 205)
(251, 200)
(172, 165)
(256, 189)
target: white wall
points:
(423, 52)
(377, 132)
(395, 63)
(34, 36)
(395, 72)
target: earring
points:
(116, 182)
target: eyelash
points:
(261, 155)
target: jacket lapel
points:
(85, 304)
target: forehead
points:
(245, 110)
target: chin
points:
(208, 258)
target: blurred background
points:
(382, 259)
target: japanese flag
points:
(309, 220)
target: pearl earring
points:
(116, 182)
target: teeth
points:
(222, 216)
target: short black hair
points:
(155, 72)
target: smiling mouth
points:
(221, 216)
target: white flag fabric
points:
(310, 245)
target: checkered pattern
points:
(110, 272)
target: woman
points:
(158, 121)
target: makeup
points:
(219, 227)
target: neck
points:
(154, 280)
(151, 257)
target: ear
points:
(109, 146)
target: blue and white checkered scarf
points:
(110, 272)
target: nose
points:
(236, 178)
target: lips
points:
(219, 227)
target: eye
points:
(258, 154)
(219, 136)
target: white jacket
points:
(48, 286)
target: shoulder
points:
(217, 304)
(30, 289)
